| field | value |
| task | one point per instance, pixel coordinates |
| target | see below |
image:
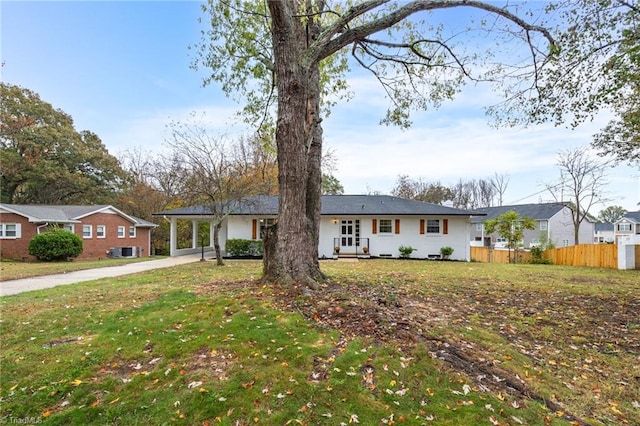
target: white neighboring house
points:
(627, 229)
(553, 222)
(603, 233)
(358, 225)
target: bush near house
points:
(237, 247)
(405, 251)
(58, 244)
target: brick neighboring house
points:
(105, 230)
(553, 222)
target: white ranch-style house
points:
(351, 225)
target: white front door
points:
(349, 235)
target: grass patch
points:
(386, 342)
(13, 270)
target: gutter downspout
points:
(41, 226)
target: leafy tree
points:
(292, 54)
(612, 214)
(331, 185)
(597, 67)
(583, 180)
(418, 189)
(45, 160)
(510, 226)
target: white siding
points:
(379, 244)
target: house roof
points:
(603, 226)
(541, 211)
(332, 205)
(38, 213)
(632, 216)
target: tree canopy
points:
(596, 69)
(46, 160)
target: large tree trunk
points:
(295, 257)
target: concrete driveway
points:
(8, 288)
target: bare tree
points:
(500, 182)
(218, 172)
(486, 193)
(583, 182)
(418, 189)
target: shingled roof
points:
(633, 216)
(541, 211)
(40, 213)
(332, 205)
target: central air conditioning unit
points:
(126, 251)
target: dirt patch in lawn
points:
(558, 333)
(553, 330)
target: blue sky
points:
(121, 70)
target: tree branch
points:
(336, 37)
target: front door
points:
(349, 235)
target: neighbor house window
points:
(565, 243)
(101, 231)
(87, 231)
(624, 227)
(384, 226)
(479, 227)
(544, 225)
(68, 227)
(9, 230)
(433, 226)
(120, 231)
(132, 232)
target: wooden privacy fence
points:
(487, 255)
(594, 255)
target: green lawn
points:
(387, 342)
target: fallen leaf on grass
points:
(194, 385)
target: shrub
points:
(536, 256)
(237, 247)
(57, 244)
(446, 251)
(405, 251)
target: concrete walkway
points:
(8, 288)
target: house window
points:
(101, 231)
(68, 227)
(87, 231)
(9, 230)
(479, 227)
(266, 224)
(433, 226)
(625, 227)
(565, 243)
(132, 232)
(384, 226)
(544, 225)
(120, 231)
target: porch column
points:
(194, 234)
(211, 233)
(173, 236)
